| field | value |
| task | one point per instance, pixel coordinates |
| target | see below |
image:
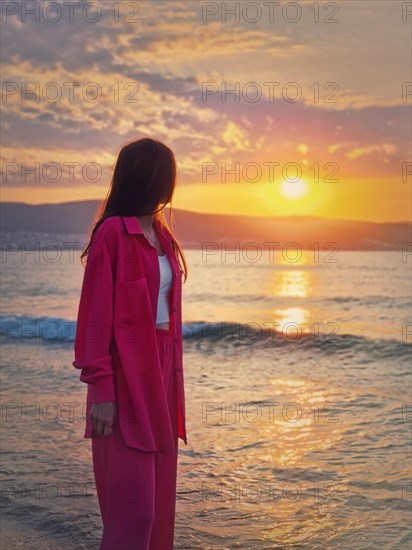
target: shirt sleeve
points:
(94, 330)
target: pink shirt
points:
(115, 344)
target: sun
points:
(294, 189)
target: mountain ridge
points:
(194, 229)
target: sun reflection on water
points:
(294, 283)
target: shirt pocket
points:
(132, 302)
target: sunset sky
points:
(352, 122)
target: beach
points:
(297, 380)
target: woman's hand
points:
(102, 416)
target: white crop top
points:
(164, 287)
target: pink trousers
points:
(137, 489)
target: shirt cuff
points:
(103, 390)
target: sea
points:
(298, 373)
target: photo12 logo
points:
(270, 11)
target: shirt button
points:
(175, 309)
(175, 339)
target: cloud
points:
(386, 148)
(169, 53)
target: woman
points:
(128, 346)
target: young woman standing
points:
(128, 346)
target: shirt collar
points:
(134, 227)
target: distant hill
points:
(193, 229)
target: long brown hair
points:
(144, 178)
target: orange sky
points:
(331, 98)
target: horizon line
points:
(229, 215)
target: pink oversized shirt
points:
(115, 343)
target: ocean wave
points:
(44, 329)
(239, 334)
(56, 330)
(382, 301)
